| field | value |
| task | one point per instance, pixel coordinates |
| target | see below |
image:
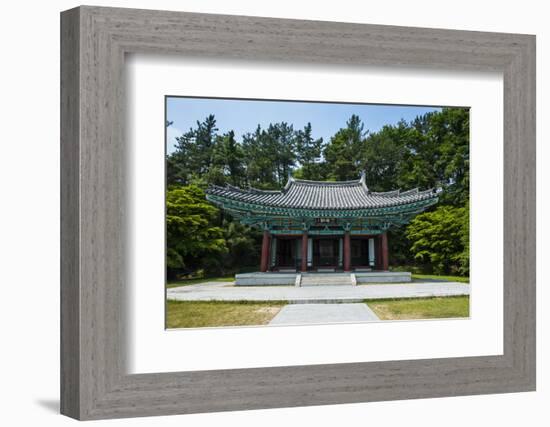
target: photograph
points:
(284, 212)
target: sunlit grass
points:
(421, 308)
(188, 282)
(200, 314)
(443, 278)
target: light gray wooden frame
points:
(94, 41)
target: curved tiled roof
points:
(303, 194)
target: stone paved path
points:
(301, 314)
(311, 294)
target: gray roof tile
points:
(303, 194)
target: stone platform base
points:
(289, 279)
(265, 279)
(383, 277)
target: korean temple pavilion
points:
(322, 225)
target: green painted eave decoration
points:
(261, 210)
(288, 223)
(294, 232)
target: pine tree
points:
(344, 153)
(309, 154)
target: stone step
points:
(327, 275)
(313, 285)
(325, 279)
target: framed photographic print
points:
(262, 213)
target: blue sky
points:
(243, 116)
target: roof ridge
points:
(258, 190)
(307, 181)
(250, 189)
(389, 193)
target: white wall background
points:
(29, 212)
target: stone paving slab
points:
(301, 314)
(315, 294)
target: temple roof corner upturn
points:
(325, 195)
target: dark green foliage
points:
(383, 156)
(343, 155)
(192, 237)
(431, 151)
(243, 246)
(270, 156)
(194, 152)
(399, 247)
(438, 154)
(226, 162)
(440, 239)
(309, 154)
(259, 164)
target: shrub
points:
(441, 239)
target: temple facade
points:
(323, 225)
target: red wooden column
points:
(378, 252)
(264, 264)
(384, 261)
(304, 250)
(347, 251)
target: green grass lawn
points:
(444, 278)
(187, 282)
(421, 308)
(200, 314)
